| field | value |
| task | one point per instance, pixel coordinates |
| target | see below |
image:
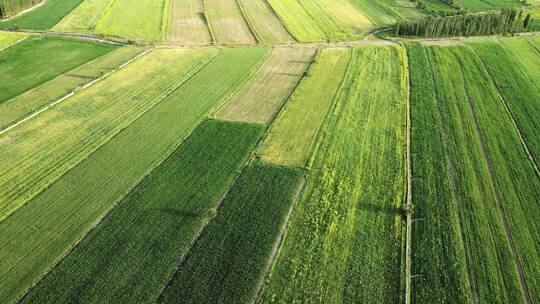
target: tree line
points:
(13, 7)
(491, 23)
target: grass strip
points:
(43, 17)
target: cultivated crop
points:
(264, 24)
(130, 255)
(13, 7)
(297, 21)
(8, 39)
(228, 23)
(43, 17)
(228, 261)
(187, 23)
(344, 240)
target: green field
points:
(43, 17)
(293, 136)
(84, 17)
(129, 256)
(265, 25)
(38, 59)
(18, 108)
(8, 39)
(44, 148)
(293, 16)
(267, 91)
(187, 23)
(228, 23)
(227, 262)
(109, 173)
(344, 240)
(134, 19)
(386, 12)
(486, 5)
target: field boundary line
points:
(122, 196)
(508, 112)
(453, 184)
(281, 21)
(408, 203)
(208, 22)
(494, 188)
(250, 25)
(278, 243)
(73, 92)
(14, 43)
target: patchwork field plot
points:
(42, 17)
(229, 259)
(154, 224)
(8, 39)
(109, 173)
(344, 240)
(40, 150)
(20, 107)
(138, 20)
(261, 98)
(386, 12)
(264, 23)
(485, 5)
(38, 59)
(84, 17)
(187, 23)
(297, 21)
(227, 22)
(294, 134)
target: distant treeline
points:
(13, 7)
(501, 22)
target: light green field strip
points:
(36, 236)
(485, 5)
(439, 6)
(135, 19)
(8, 39)
(387, 12)
(265, 93)
(293, 135)
(264, 22)
(527, 53)
(438, 250)
(297, 21)
(343, 243)
(228, 23)
(84, 17)
(40, 150)
(512, 174)
(337, 19)
(187, 24)
(18, 108)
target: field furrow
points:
(187, 23)
(34, 238)
(31, 101)
(439, 255)
(140, 20)
(297, 21)
(42, 149)
(228, 23)
(266, 92)
(36, 60)
(42, 17)
(229, 259)
(293, 136)
(264, 22)
(344, 240)
(130, 256)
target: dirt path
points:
(493, 183)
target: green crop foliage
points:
(264, 22)
(485, 5)
(84, 17)
(143, 20)
(343, 243)
(228, 23)
(13, 7)
(187, 23)
(8, 39)
(130, 256)
(27, 103)
(228, 261)
(387, 12)
(43, 17)
(297, 21)
(519, 91)
(44, 148)
(277, 78)
(110, 172)
(293, 136)
(39, 59)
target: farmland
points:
(269, 151)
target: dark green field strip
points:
(35, 237)
(229, 259)
(130, 256)
(39, 59)
(493, 275)
(438, 251)
(519, 92)
(512, 173)
(343, 243)
(21, 106)
(43, 17)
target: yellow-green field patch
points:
(187, 23)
